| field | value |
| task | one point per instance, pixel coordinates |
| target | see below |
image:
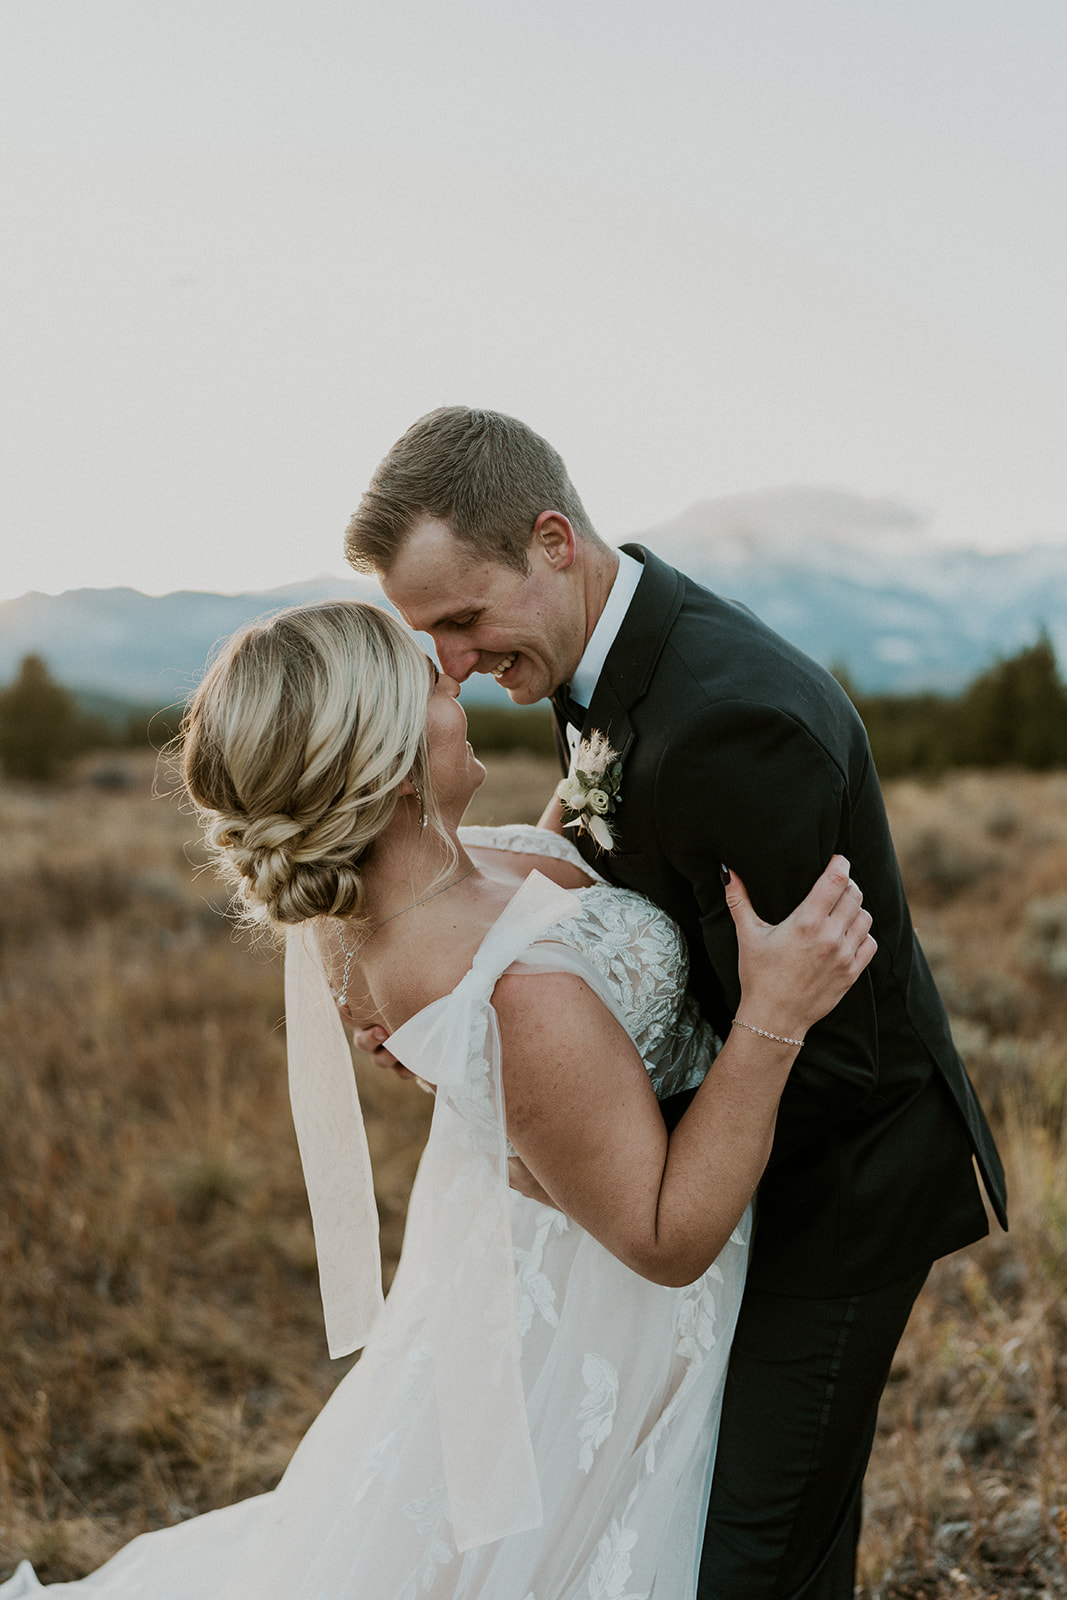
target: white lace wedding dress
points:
(530, 1420)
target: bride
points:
(535, 1412)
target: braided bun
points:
(294, 748)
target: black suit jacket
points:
(737, 748)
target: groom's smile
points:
(526, 630)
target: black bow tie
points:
(568, 706)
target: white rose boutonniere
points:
(590, 793)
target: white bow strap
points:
(333, 1149)
(460, 1201)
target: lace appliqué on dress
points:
(642, 955)
(613, 1562)
(535, 1293)
(596, 1414)
(638, 949)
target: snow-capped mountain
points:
(861, 583)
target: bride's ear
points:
(408, 786)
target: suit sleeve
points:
(748, 786)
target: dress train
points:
(530, 1420)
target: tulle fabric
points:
(623, 1427)
(529, 1420)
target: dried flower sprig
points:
(590, 793)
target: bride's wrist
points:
(792, 1038)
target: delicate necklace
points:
(341, 996)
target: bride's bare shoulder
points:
(420, 958)
(425, 956)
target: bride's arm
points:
(582, 1115)
(552, 816)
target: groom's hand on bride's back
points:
(372, 1042)
(522, 1180)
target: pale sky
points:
(704, 246)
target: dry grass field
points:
(161, 1343)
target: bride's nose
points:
(449, 685)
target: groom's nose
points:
(457, 659)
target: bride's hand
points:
(794, 972)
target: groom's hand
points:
(522, 1180)
(372, 1042)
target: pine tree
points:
(37, 722)
(1016, 713)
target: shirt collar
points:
(604, 634)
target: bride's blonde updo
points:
(293, 750)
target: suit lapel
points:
(559, 729)
(637, 648)
(626, 674)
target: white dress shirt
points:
(603, 636)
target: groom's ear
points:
(554, 540)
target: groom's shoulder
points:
(719, 650)
(689, 601)
(716, 632)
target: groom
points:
(735, 749)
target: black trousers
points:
(798, 1421)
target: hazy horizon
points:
(714, 529)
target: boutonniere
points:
(591, 792)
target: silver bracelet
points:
(763, 1033)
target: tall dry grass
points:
(967, 1489)
(161, 1346)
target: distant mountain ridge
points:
(853, 581)
(144, 648)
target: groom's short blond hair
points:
(487, 476)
